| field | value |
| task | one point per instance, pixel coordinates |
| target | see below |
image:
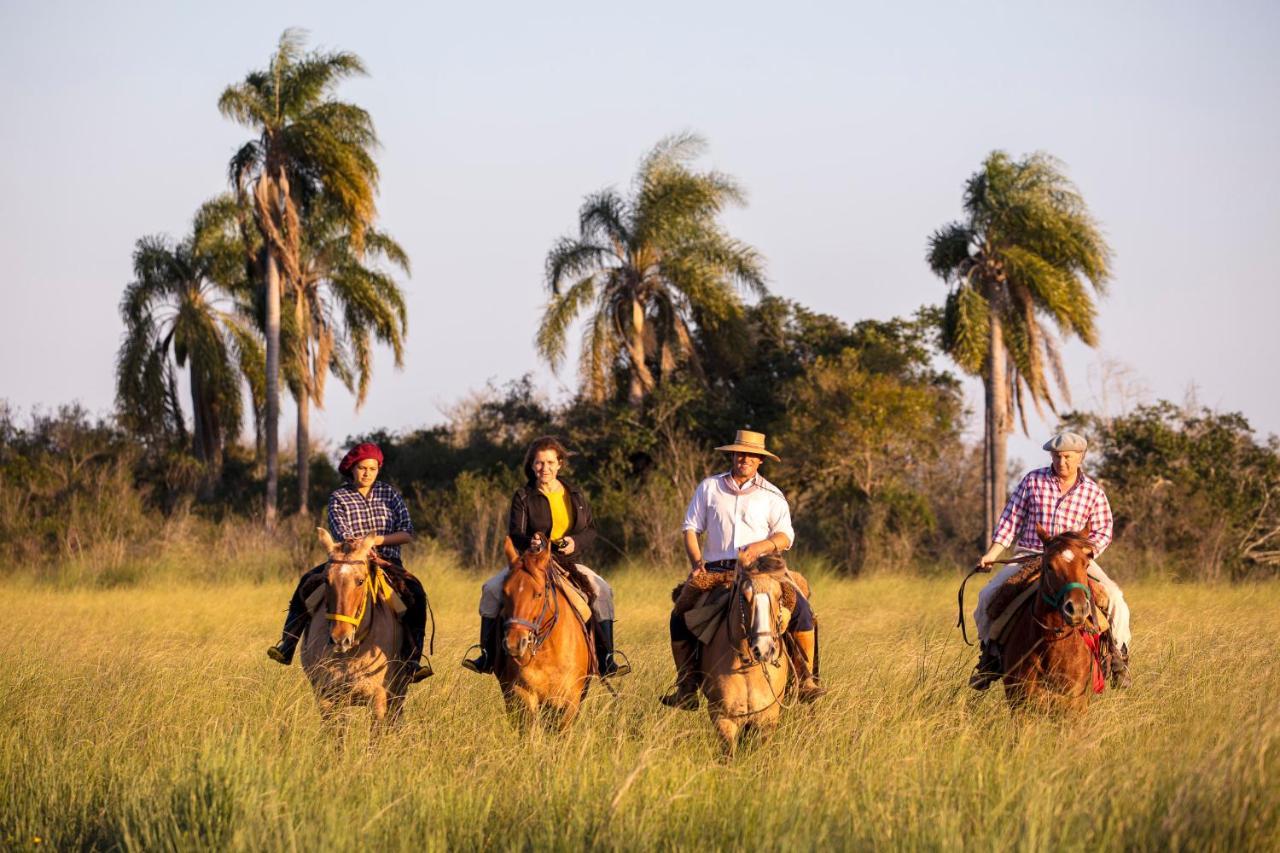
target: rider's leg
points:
(490, 631)
(1121, 636)
(295, 622)
(684, 649)
(415, 626)
(990, 665)
(805, 631)
(603, 616)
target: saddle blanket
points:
(574, 596)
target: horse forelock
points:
(1070, 546)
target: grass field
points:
(149, 718)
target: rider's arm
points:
(987, 559)
(584, 528)
(518, 521)
(400, 530)
(693, 549)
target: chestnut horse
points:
(544, 662)
(352, 648)
(1047, 662)
(745, 665)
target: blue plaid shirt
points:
(353, 516)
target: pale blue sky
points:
(852, 128)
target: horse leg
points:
(728, 729)
(522, 709)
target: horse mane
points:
(1068, 539)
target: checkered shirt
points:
(1037, 500)
(352, 516)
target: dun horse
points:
(745, 666)
(352, 649)
(545, 662)
(1048, 663)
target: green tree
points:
(186, 308)
(342, 301)
(309, 146)
(1024, 251)
(648, 269)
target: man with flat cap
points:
(1059, 498)
(744, 517)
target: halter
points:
(741, 583)
(376, 586)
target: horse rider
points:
(556, 508)
(744, 517)
(1060, 498)
(362, 506)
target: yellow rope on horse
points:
(379, 590)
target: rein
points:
(742, 648)
(1025, 558)
(375, 585)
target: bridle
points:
(372, 582)
(541, 626)
(743, 590)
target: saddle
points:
(703, 599)
(575, 588)
(1021, 587)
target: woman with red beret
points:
(360, 507)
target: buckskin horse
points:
(544, 663)
(352, 649)
(1049, 663)
(745, 665)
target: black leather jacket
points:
(531, 513)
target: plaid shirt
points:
(1037, 500)
(352, 516)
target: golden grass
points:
(149, 718)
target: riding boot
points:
(807, 687)
(414, 622)
(604, 650)
(685, 694)
(294, 624)
(990, 666)
(490, 635)
(1120, 678)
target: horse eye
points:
(360, 582)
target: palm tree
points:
(309, 146)
(186, 308)
(1024, 251)
(652, 267)
(342, 302)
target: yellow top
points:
(559, 514)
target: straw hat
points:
(746, 441)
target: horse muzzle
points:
(764, 649)
(343, 644)
(1074, 613)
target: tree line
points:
(286, 276)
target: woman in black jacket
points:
(558, 510)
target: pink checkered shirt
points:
(1038, 501)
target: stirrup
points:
(419, 671)
(480, 665)
(619, 669)
(811, 692)
(277, 655)
(677, 698)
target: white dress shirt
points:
(732, 517)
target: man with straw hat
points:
(744, 517)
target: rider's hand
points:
(567, 546)
(986, 562)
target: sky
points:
(852, 127)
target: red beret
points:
(358, 454)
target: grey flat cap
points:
(1067, 441)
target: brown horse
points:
(352, 648)
(1047, 661)
(544, 663)
(745, 666)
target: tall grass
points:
(149, 718)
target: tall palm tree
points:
(309, 145)
(651, 267)
(343, 300)
(186, 308)
(1024, 251)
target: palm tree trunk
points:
(304, 448)
(272, 418)
(204, 438)
(997, 404)
(988, 522)
(641, 378)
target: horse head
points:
(762, 593)
(348, 575)
(527, 601)
(1064, 574)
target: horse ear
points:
(1043, 534)
(326, 540)
(509, 549)
(368, 543)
